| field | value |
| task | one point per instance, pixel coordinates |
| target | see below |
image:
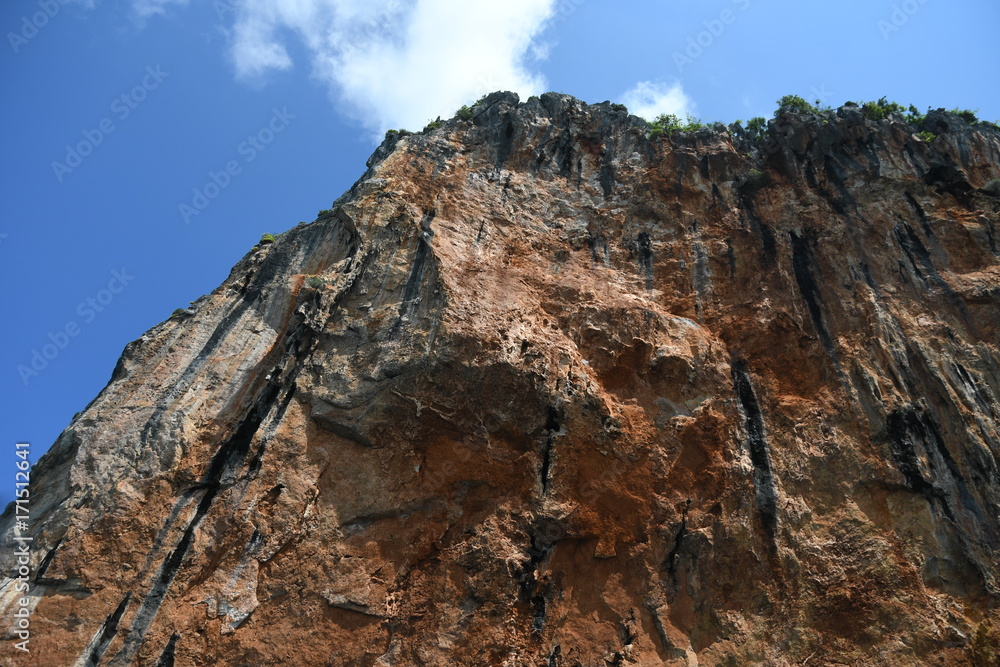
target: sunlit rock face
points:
(540, 391)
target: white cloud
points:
(648, 100)
(400, 63)
(393, 64)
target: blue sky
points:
(150, 143)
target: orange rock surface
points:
(539, 391)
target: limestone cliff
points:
(541, 391)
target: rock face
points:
(539, 391)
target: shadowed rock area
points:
(538, 391)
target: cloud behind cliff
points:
(649, 99)
(393, 64)
(401, 63)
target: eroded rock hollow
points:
(541, 391)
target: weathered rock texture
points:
(538, 391)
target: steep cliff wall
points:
(540, 391)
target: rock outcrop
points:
(540, 391)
